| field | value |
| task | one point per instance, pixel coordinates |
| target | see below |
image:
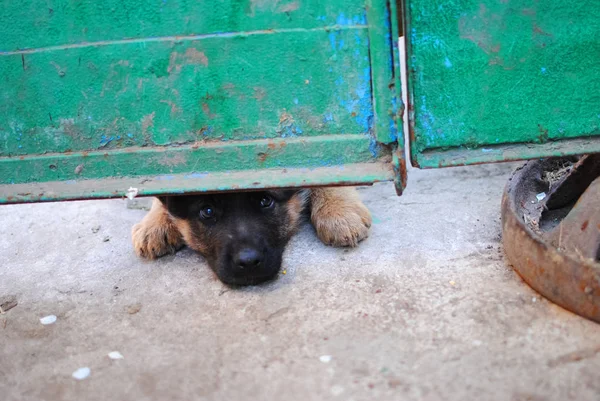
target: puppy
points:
(243, 235)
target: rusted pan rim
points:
(563, 278)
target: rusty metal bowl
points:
(563, 276)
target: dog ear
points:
(177, 206)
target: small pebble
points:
(325, 358)
(115, 355)
(81, 373)
(106, 239)
(95, 229)
(452, 282)
(534, 299)
(540, 196)
(48, 319)
(134, 308)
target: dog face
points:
(241, 235)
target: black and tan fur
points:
(242, 240)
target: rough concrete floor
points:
(425, 309)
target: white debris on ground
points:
(81, 373)
(48, 319)
(115, 355)
(325, 358)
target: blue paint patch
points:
(327, 118)
(295, 100)
(105, 140)
(392, 121)
(373, 147)
(543, 70)
(130, 135)
(196, 175)
(342, 20)
(486, 150)
(332, 40)
(71, 182)
(447, 63)
(427, 122)
(335, 40)
(361, 18)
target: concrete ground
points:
(425, 309)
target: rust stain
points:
(206, 110)
(271, 145)
(539, 31)
(584, 226)
(229, 88)
(172, 161)
(498, 61)
(528, 11)
(259, 93)
(286, 118)
(262, 156)
(173, 63)
(147, 122)
(174, 109)
(193, 56)
(472, 28)
(287, 8)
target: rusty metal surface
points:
(579, 231)
(570, 186)
(570, 279)
(151, 185)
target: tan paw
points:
(154, 240)
(344, 223)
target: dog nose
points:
(248, 258)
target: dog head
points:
(241, 235)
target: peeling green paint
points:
(121, 89)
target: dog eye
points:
(266, 202)
(207, 212)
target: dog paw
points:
(151, 241)
(343, 224)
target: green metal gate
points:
(500, 80)
(101, 99)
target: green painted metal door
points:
(178, 96)
(498, 80)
